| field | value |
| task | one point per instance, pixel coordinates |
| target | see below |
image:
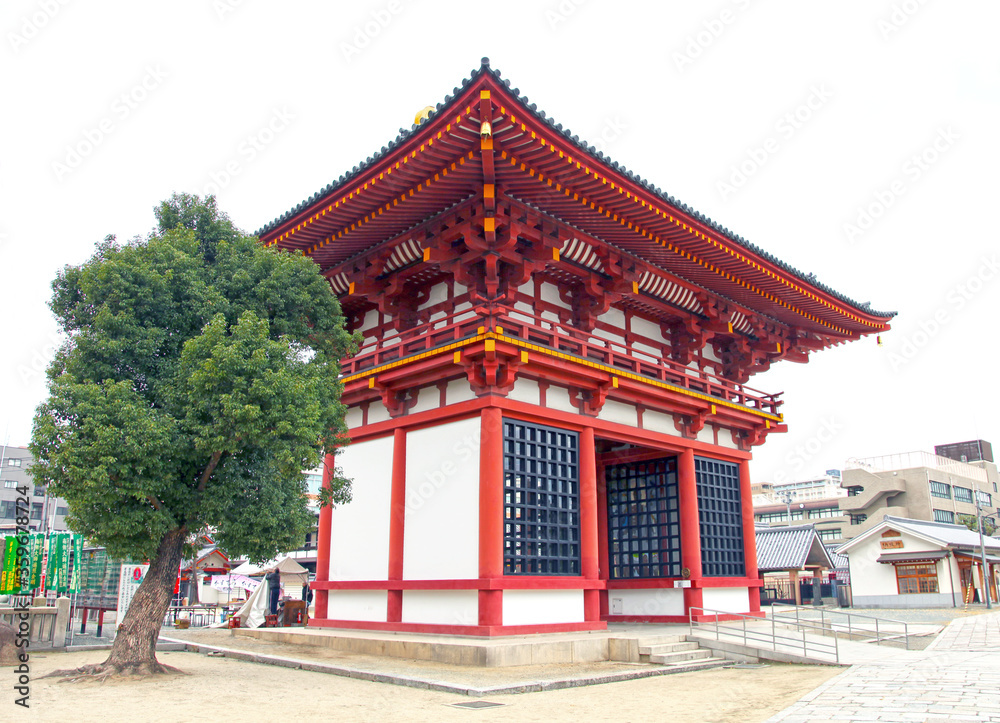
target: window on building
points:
(859, 518)
(772, 517)
(854, 491)
(8, 509)
(62, 511)
(12, 462)
(824, 513)
(944, 516)
(985, 499)
(963, 494)
(10, 483)
(940, 489)
(831, 534)
(644, 519)
(541, 500)
(720, 518)
(797, 515)
(916, 578)
(36, 511)
(39, 491)
(313, 483)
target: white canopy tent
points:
(293, 575)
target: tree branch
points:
(216, 456)
(157, 505)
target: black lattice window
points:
(541, 500)
(720, 516)
(643, 519)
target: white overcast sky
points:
(163, 97)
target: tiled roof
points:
(952, 535)
(790, 548)
(598, 156)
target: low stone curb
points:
(438, 686)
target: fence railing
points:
(755, 632)
(46, 626)
(854, 626)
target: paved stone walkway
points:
(956, 678)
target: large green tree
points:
(199, 378)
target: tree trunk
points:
(193, 597)
(134, 649)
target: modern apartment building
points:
(920, 486)
(814, 501)
(46, 512)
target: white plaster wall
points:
(558, 398)
(427, 398)
(550, 293)
(441, 528)
(458, 289)
(726, 438)
(441, 607)
(706, 434)
(658, 601)
(615, 317)
(525, 390)
(437, 294)
(618, 412)
(369, 605)
(377, 412)
(708, 351)
(726, 599)
(646, 328)
(527, 288)
(458, 391)
(540, 607)
(359, 535)
(353, 417)
(371, 319)
(659, 422)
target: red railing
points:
(554, 335)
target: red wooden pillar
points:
(687, 489)
(491, 519)
(749, 535)
(589, 536)
(603, 542)
(397, 516)
(323, 543)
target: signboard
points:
(974, 451)
(226, 583)
(128, 583)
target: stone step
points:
(662, 648)
(660, 640)
(701, 664)
(681, 657)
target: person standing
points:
(274, 591)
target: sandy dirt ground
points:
(222, 689)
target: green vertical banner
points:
(74, 585)
(9, 558)
(64, 545)
(50, 563)
(37, 548)
(15, 570)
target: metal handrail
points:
(851, 630)
(761, 635)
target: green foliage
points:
(199, 377)
(970, 521)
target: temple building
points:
(549, 415)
